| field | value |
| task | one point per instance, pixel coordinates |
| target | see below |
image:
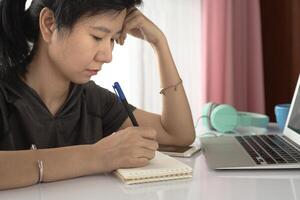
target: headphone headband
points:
(253, 119)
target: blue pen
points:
(122, 98)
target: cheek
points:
(73, 53)
(80, 51)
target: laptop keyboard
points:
(270, 149)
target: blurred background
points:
(241, 52)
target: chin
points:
(81, 81)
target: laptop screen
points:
(295, 115)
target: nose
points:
(104, 53)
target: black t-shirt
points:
(89, 114)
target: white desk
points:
(205, 184)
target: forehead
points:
(111, 20)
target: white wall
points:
(134, 65)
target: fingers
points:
(148, 133)
(143, 137)
(139, 162)
(133, 19)
(140, 158)
(136, 147)
(131, 10)
(139, 26)
(132, 15)
(149, 144)
(145, 153)
(127, 27)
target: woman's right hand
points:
(131, 147)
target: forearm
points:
(176, 115)
(19, 168)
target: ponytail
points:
(14, 46)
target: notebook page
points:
(161, 165)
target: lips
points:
(92, 72)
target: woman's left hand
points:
(137, 25)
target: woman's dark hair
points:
(19, 28)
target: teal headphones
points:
(224, 118)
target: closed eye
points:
(99, 39)
(96, 38)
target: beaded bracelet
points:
(162, 91)
(40, 166)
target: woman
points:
(48, 54)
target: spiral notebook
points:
(161, 168)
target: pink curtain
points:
(233, 53)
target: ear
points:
(47, 24)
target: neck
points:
(48, 82)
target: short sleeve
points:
(105, 104)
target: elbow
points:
(190, 139)
(186, 139)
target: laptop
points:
(261, 151)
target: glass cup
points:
(281, 113)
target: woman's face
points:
(80, 53)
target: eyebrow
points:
(104, 29)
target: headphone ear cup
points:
(206, 113)
(224, 118)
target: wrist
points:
(100, 161)
(94, 159)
